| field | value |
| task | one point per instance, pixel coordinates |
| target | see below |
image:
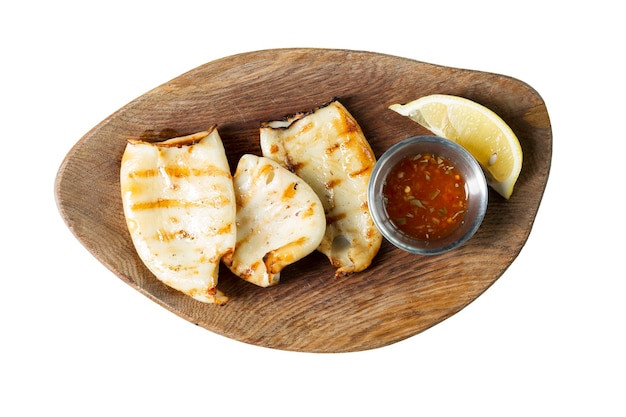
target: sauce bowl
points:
(460, 162)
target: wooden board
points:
(400, 295)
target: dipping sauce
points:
(425, 196)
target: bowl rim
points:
(475, 179)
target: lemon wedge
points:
(475, 127)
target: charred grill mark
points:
(180, 267)
(332, 148)
(147, 173)
(306, 127)
(226, 229)
(332, 183)
(364, 170)
(165, 236)
(180, 172)
(290, 191)
(210, 171)
(309, 211)
(217, 202)
(223, 230)
(351, 125)
(274, 148)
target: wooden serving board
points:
(400, 295)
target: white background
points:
(546, 339)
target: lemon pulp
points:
(475, 127)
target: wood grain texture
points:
(400, 295)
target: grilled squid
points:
(280, 220)
(179, 206)
(327, 148)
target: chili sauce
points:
(425, 196)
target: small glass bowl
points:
(464, 162)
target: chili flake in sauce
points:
(425, 196)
